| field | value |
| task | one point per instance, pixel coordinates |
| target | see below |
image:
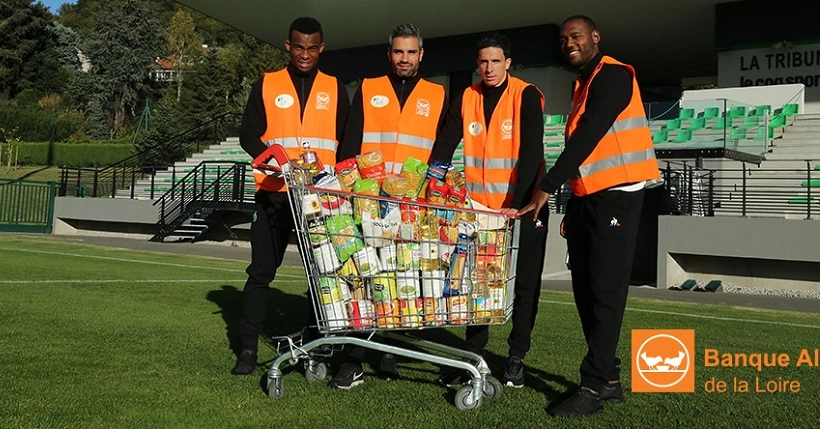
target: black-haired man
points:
(288, 107)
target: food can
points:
(361, 314)
(408, 256)
(326, 259)
(388, 257)
(457, 309)
(387, 314)
(383, 287)
(410, 313)
(408, 285)
(367, 261)
(330, 290)
(432, 283)
(335, 315)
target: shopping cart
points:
(380, 265)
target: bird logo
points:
(662, 360)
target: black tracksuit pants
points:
(532, 247)
(270, 231)
(601, 231)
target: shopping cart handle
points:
(274, 152)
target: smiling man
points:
(501, 122)
(287, 107)
(608, 158)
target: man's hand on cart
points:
(509, 212)
(539, 199)
(271, 160)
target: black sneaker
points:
(388, 369)
(455, 378)
(612, 392)
(582, 403)
(245, 362)
(514, 372)
(349, 376)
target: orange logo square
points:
(663, 360)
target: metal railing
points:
(781, 188)
(227, 185)
(106, 181)
(778, 188)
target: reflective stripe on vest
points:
(625, 153)
(286, 125)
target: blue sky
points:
(54, 5)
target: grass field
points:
(94, 337)
(40, 173)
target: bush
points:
(70, 154)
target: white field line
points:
(699, 316)
(136, 261)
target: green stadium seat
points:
(815, 183)
(738, 134)
(711, 112)
(554, 120)
(802, 199)
(552, 155)
(789, 109)
(683, 136)
(672, 124)
(817, 167)
(553, 144)
(686, 114)
(777, 121)
(722, 123)
(711, 286)
(553, 133)
(761, 110)
(660, 136)
(697, 124)
(686, 285)
(750, 122)
(761, 133)
(736, 112)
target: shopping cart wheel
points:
(464, 399)
(275, 387)
(315, 371)
(492, 387)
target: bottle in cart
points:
(429, 248)
(310, 159)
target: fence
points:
(26, 206)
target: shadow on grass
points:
(287, 313)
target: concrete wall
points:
(107, 214)
(751, 252)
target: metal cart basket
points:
(377, 264)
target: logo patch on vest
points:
(474, 128)
(283, 101)
(506, 129)
(322, 101)
(423, 108)
(379, 101)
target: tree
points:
(23, 46)
(120, 48)
(185, 46)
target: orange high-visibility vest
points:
(400, 133)
(287, 127)
(491, 150)
(625, 154)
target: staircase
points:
(220, 157)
